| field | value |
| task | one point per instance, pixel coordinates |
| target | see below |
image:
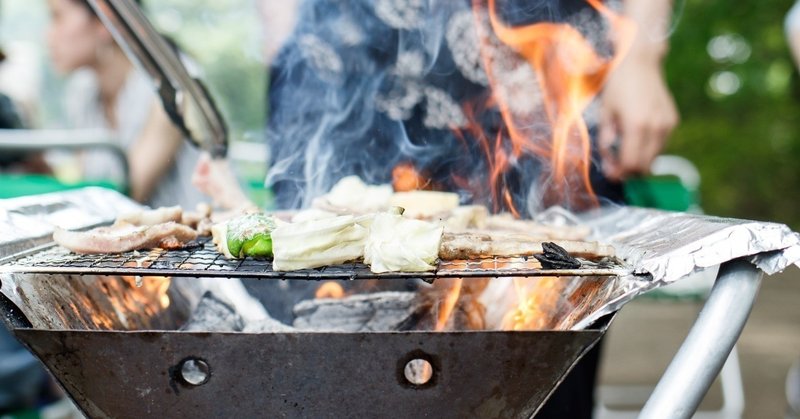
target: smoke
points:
(365, 85)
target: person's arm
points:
(638, 111)
(278, 19)
(792, 26)
(152, 154)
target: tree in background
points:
(739, 97)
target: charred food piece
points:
(556, 257)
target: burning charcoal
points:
(213, 315)
(383, 311)
(555, 257)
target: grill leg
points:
(703, 353)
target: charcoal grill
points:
(59, 307)
(116, 357)
(66, 308)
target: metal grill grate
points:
(204, 261)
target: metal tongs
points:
(185, 98)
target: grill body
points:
(339, 375)
(129, 364)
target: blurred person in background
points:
(278, 18)
(636, 113)
(380, 83)
(105, 91)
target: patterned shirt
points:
(365, 85)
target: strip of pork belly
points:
(461, 246)
(124, 237)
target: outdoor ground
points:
(646, 334)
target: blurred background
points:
(223, 37)
(738, 92)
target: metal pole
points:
(703, 353)
(44, 139)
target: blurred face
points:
(74, 35)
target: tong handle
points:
(185, 99)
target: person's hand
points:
(637, 115)
(216, 179)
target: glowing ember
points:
(153, 288)
(537, 299)
(163, 287)
(146, 295)
(405, 177)
(329, 289)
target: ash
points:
(382, 311)
(214, 315)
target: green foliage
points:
(747, 143)
(223, 37)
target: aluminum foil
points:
(32, 217)
(664, 247)
(671, 245)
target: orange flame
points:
(570, 73)
(329, 289)
(537, 300)
(153, 288)
(146, 295)
(448, 303)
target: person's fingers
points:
(201, 171)
(649, 149)
(608, 143)
(655, 145)
(660, 131)
(633, 136)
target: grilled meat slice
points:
(199, 219)
(460, 246)
(125, 237)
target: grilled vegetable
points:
(400, 244)
(248, 235)
(315, 243)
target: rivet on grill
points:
(195, 372)
(418, 371)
